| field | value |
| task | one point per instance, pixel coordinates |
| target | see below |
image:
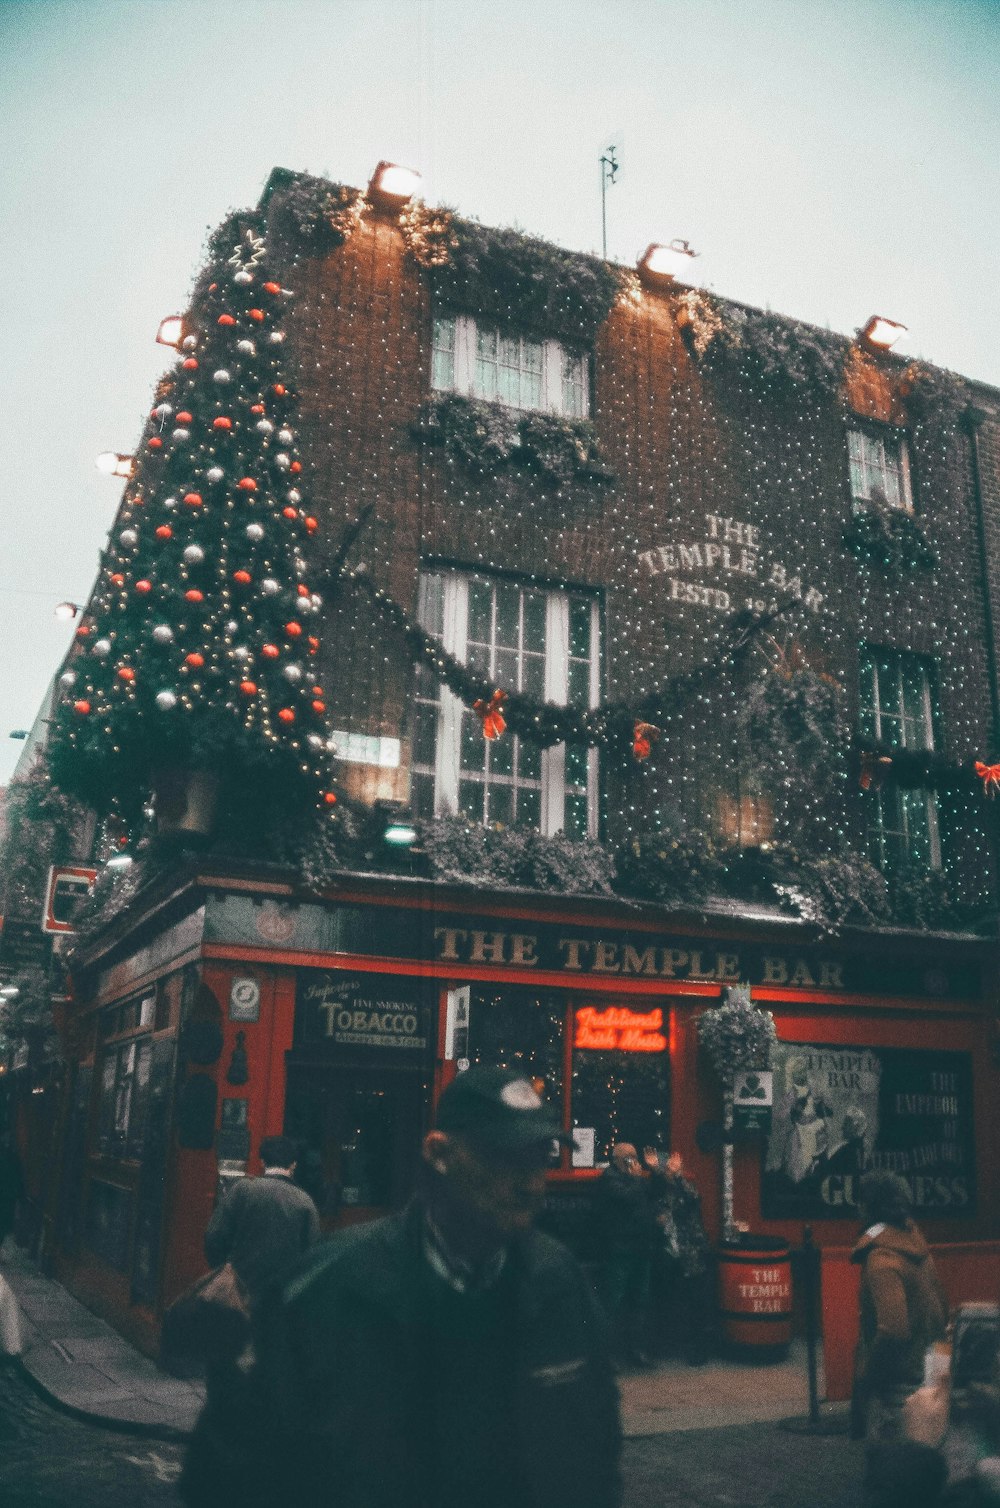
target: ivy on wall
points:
(889, 538)
(483, 437)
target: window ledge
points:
(485, 437)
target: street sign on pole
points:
(68, 887)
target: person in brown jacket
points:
(903, 1307)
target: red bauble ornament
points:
(83, 631)
(144, 586)
(313, 646)
(226, 319)
(116, 578)
(164, 531)
(286, 715)
(312, 524)
(270, 651)
(256, 408)
(193, 499)
(290, 512)
(126, 673)
(330, 798)
(189, 364)
(272, 287)
(222, 422)
(303, 591)
(293, 629)
(280, 389)
(247, 484)
(243, 577)
(194, 659)
(257, 314)
(81, 707)
(212, 287)
(296, 466)
(156, 443)
(193, 595)
(248, 688)
(319, 708)
(184, 417)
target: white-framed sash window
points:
(471, 357)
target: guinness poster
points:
(839, 1111)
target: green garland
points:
(521, 283)
(484, 437)
(889, 538)
(317, 214)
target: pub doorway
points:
(358, 1131)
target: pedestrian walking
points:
(681, 1275)
(629, 1208)
(903, 1309)
(263, 1225)
(446, 1355)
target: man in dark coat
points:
(263, 1225)
(628, 1207)
(446, 1356)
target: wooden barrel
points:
(755, 1293)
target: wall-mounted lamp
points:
(67, 611)
(673, 263)
(171, 331)
(119, 861)
(393, 185)
(111, 463)
(18, 733)
(880, 334)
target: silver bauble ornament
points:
(264, 426)
(102, 648)
(163, 634)
(180, 435)
(163, 410)
(314, 741)
(246, 348)
(285, 436)
(128, 538)
(282, 461)
(276, 337)
(68, 678)
(221, 375)
(242, 276)
(270, 587)
(189, 342)
(316, 601)
(166, 700)
(304, 606)
(170, 503)
(292, 672)
(194, 555)
(294, 495)
(214, 474)
(232, 626)
(240, 652)
(255, 531)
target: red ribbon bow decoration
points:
(493, 721)
(874, 768)
(644, 736)
(989, 774)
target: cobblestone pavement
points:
(51, 1460)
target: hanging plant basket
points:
(736, 1034)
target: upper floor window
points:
(482, 362)
(897, 709)
(880, 468)
(897, 705)
(542, 643)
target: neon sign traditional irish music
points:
(618, 1029)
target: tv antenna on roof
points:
(610, 168)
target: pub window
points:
(471, 357)
(124, 1079)
(897, 711)
(541, 642)
(879, 468)
(618, 1088)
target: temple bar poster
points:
(839, 1111)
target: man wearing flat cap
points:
(449, 1356)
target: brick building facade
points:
(649, 517)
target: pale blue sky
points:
(829, 159)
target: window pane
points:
(625, 1096)
(579, 628)
(502, 755)
(576, 764)
(857, 480)
(443, 355)
(534, 621)
(508, 605)
(529, 808)
(575, 822)
(486, 344)
(533, 357)
(531, 390)
(486, 380)
(473, 742)
(533, 676)
(579, 683)
(510, 351)
(422, 795)
(470, 800)
(509, 386)
(529, 760)
(480, 611)
(520, 1030)
(505, 671)
(501, 805)
(424, 733)
(430, 603)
